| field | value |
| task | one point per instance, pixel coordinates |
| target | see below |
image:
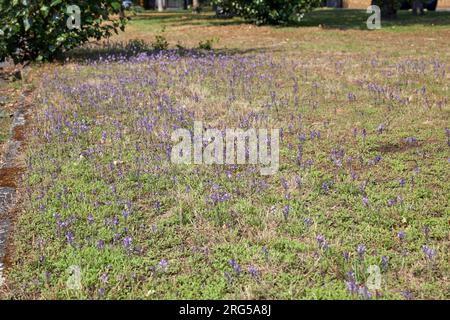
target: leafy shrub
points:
(37, 30)
(136, 46)
(160, 42)
(388, 7)
(267, 11)
(207, 44)
(136, 9)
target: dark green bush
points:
(37, 29)
(268, 11)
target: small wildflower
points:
(381, 128)
(401, 236)
(253, 271)
(100, 244)
(265, 252)
(104, 278)
(426, 232)
(352, 285)
(285, 212)
(407, 294)
(384, 263)
(236, 267)
(70, 237)
(365, 201)
(429, 252)
(163, 264)
(127, 242)
(346, 256)
(361, 250)
(228, 277)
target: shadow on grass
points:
(356, 19)
(326, 18)
(184, 18)
(120, 51)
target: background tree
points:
(38, 30)
(160, 6)
(388, 8)
(267, 11)
(195, 4)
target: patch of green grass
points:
(327, 18)
(104, 196)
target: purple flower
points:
(401, 236)
(426, 232)
(410, 140)
(104, 278)
(253, 271)
(100, 244)
(391, 202)
(365, 293)
(351, 96)
(365, 201)
(308, 222)
(127, 242)
(384, 263)
(298, 181)
(364, 133)
(377, 158)
(323, 244)
(163, 264)
(70, 237)
(361, 250)
(48, 277)
(236, 267)
(228, 278)
(320, 238)
(266, 253)
(407, 294)
(285, 184)
(429, 252)
(285, 212)
(352, 285)
(346, 256)
(402, 182)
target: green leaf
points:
(116, 5)
(26, 24)
(55, 2)
(45, 10)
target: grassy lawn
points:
(363, 177)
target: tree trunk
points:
(160, 5)
(388, 8)
(417, 5)
(195, 5)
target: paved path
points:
(8, 193)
